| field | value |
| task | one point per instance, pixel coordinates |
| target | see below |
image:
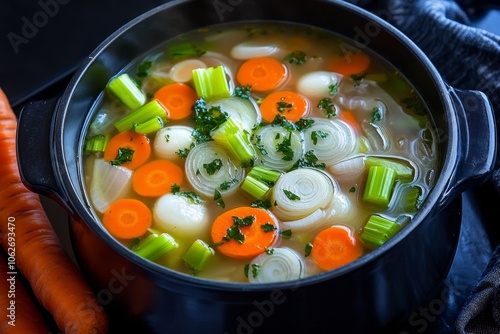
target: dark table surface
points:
(45, 41)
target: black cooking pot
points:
(369, 295)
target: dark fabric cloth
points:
(467, 58)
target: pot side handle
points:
(34, 152)
(477, 140)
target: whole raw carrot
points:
(21, 313)
(54, 278)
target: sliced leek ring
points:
(331, 140)
(282, 265)
(266, 141)
(299, 193)
(204, 179)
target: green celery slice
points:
(127, 91)
(378, 230)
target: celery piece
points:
(379, 185)
(211, 83)
(236, 140)
(150, 126)
(378, 230)
(409, 199)
(184, 50)
(377, 77)
(197, 255)
(95, 143)
(267, 175)
(156, 245)
(403, 171)
(141, 115)
(255, 187)
(127, 91)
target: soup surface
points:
(258, 152)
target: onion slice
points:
(282, 265)
(307, 223)
(349, 169)
(108, 184)
(317, 84)
(331, 140)
(171, 139)
(267, 140)
(204, 179)
(176, 215)
(242, 110)
(299, 193)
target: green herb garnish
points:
(124, 154)
(143, 69)
(308, 249)
(318, 134)
(268, 227)
(269, 251)
(327, 105)
(206, 119)
(333, 89)
(263, 204)
(242, 92)
(213, 167)
(291, 196)
(296, 57)
(191, 196)
(218, 198)
(286, 234)
(304, 123)
(285, 147)
(376, 115)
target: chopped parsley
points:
(242, 92)
(124, 155)
(234, 231)
(206, 119)
(191, 196)
(255, 270)
(183, 153)
(304, 123)
(227, 184)
(184, 50)
(352, 189)
(318, 134)
(327, 105)
(167, 138)
(268, 227)
(269, 251)
(218, 198)
(283, 106)
(296, 57)
(143, 69)
(358, 78)
(309, 160)
(285, 147)
(286, 234)
(308, 249)
(213, 167)
(259, 146)
(333, 89)
(263, 204)
(291, 196)
(376, 115)
(280, 120)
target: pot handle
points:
(477, 141)
(34, 150)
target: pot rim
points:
(89, 218)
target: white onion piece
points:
(176, 215)
(314, 188)
(109, 183)
(347, 170)
(183, 70)
(266, 140)
(242, 110)
(282, 265)
(377, 136)
(339, 140)
(199, 177)
(253, 49)
(171, 139)
(307, 223)
(316, 84)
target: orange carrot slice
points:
(262, 74)
(178, 99)
(155, 178)
(127, 218)
(334, 247)
(240, 242)
(116, 154)
(349, 64)
(289, 104)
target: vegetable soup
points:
(258, 152)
